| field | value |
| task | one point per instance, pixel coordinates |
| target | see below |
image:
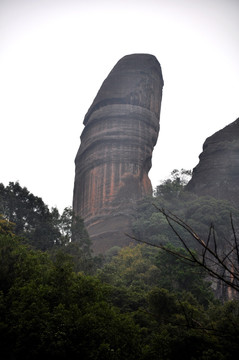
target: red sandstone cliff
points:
(217, 172)
(217, 175)
(114, 158)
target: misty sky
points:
(54, 56)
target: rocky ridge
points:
(217, 172)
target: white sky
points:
(54, 56)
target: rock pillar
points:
(114, 158)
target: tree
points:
(6, 227)
(180, 328)
(132, 266)
(47, 310)
(179, 276)
(174, 185)
(199, 212)
(46, 229)
(31, 216)
(220, 262)
(130, 274)
(74, 240)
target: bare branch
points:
(223, 267)
(234, 237)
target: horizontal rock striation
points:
(114, 158)
(217, 173)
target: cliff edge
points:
(217, 172)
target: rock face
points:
(114, 158)
(217, 173)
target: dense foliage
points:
(45, 229)
(133, 311)
(141, 303)
(49, 310)
(197, 212)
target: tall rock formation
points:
(114, 158)
(217, 173)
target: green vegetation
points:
(198, 212)
(45, 229)
(49, 310)
(140, 302)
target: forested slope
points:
(136, 302)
